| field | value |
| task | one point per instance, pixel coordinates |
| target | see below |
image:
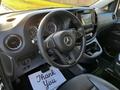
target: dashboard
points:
(18, 34)
(87, 17)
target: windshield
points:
(13, 5)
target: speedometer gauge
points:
(33, 32)
(51, 27)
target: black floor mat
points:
(106, 71)
(23, 82)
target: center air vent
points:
(13, 42)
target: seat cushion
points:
(87, 82)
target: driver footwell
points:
(23, 83)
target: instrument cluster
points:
(87, 17)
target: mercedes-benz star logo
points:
(68, 41)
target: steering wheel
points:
(62, 42)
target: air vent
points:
(13, 42)
(10, 19)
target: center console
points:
(92, 51)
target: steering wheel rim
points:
(42, 46)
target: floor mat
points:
(105, 71)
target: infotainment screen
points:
(87, 19)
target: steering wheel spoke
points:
(72, 57)
(66, 59)
(80, 33)
(49, 43)
(62, 57)
(79, 36)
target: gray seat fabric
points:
(87, 82)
